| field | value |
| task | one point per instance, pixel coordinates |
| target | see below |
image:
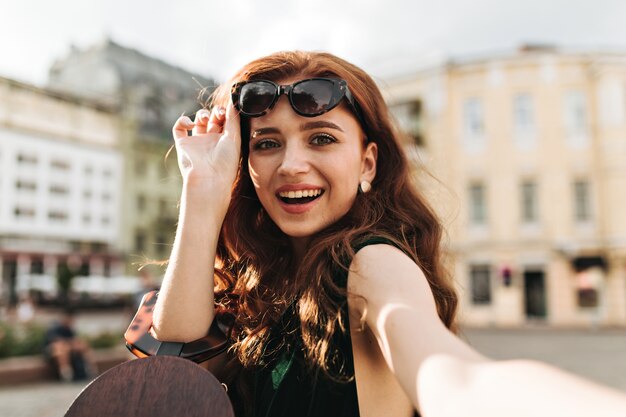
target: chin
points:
(299, 232)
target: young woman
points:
(299, 225)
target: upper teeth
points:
(300, 193)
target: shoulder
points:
(382, 273)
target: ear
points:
(368, 163)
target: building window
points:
(26, 159)
(473, 118)
(59, 189)
(106, 197)
(523, 115)
(162, 246)
(575, 116)
(86, 218)
(37, 266)
(530, 202)
(582, 201)
(87, 194)
(25, 185)
(140, 241)
(478, 204)
(409, 117)
(141, 202)
(153, 113)
(24, 212)
(590, 278)
(480, 281)
(60, 165)
(57, 215)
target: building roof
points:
(528, 50)
(129, 67)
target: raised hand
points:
(209, 159)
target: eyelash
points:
(330, 138)
(261, 144)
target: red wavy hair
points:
(257, 278)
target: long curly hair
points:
(257, 279)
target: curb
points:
(29, 369)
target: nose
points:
(295, 161)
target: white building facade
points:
(61, 174)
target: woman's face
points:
(306, 170)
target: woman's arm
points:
(442, 375)
(512, 388)
(208, 161)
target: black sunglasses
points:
(309, 98)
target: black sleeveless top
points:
(285, 388)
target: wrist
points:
(206, 193)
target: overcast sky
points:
(214, 38)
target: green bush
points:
(31, 340)
(7, 339)
(21, 340)
(105, 340)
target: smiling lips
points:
(300, 193)
(298, 199)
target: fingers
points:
(216, 120)
(205, 122)
(232, 126)
(201, 121)
(181, 127)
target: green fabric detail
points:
(280, 370)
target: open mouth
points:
(300, 197)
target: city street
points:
(599, 355)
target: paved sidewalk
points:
(599, 355)
(40, 400)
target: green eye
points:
(323, 139)
(266, 144)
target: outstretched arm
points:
(441, 374)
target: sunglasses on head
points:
(309, 98)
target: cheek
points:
(346, 171)
(261, 171)
(258, 173)
(344, 184)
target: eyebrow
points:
(318, 124)
(305, 126)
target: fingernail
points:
(187, 121)
(221, 111)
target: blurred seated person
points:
(70, 355)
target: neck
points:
(300, 245)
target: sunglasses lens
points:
(314, 97)
(256, 97)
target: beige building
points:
(529, 153)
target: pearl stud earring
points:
(365, 186)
